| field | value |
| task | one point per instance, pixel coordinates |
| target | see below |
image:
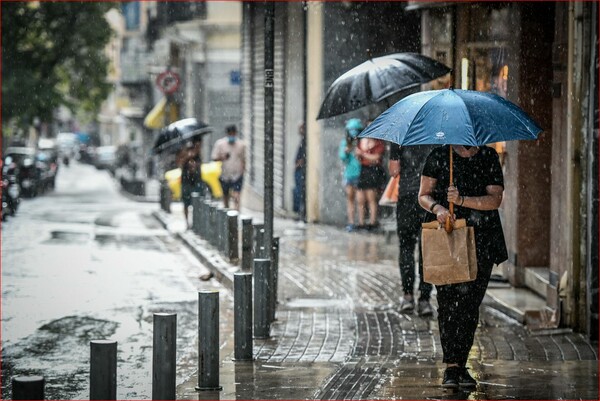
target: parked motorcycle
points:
(11, 190)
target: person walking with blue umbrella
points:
(466, 174)
(476, 192)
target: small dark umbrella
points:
(378, 79)
(175, 135)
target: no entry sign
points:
(168, 81)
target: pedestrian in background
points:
(477, 194)
(408, 161)
(300, 175)
(351, 167)
(372, 179)
(231, 151)
(189, 161)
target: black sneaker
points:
(465, 379)
(451, 376)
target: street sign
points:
(167, 82)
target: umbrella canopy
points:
(175, 135)
(377, 79)
(452, 116)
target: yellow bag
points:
(448, 258)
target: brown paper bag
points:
(448, 258)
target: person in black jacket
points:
(189, 160)
(408, 161)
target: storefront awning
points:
(156, 117)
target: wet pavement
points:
(339, 334)
(82, 263)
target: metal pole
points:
(195, 212)
(232, 236)
(28, 388)
(242, 305)
(274, 277)
(259, 241)
(269, 114)
(103, 370)
(164, 349)
(262, 323)
(208, 340)
(247, 239)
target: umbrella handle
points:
(448, 227)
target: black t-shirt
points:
(412, 159)
(471, 176)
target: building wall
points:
(353, 33)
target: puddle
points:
(126, 241)
(67, 237)
(318, 303)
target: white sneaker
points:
(424, 308)
(407, 305)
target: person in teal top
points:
(351, 167)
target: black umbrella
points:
(377, 79)
(174, 136)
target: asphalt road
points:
(82, 263)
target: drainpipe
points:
(573, 201)
(314, 97)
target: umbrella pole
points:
(448, 226)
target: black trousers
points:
(409, 216)
(458, 312)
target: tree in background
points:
(52, 55)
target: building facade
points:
(543, 57)
(540, 55)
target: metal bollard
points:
(28, 388)
(232, 236)
(242, 306)
(274, 277)
(259, 241)
(222, 213)
(204, 219)
(208, 340)
(262, 323)
(165, 196)
(103, 370)
(164, 348)
(211, 234)
(195, 212)
(205, 223)
(247, 238)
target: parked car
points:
(29, 170)
(210, 173)
(106, 158)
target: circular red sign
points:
(168, 81)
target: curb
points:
(221, 269)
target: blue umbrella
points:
(452, 117)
